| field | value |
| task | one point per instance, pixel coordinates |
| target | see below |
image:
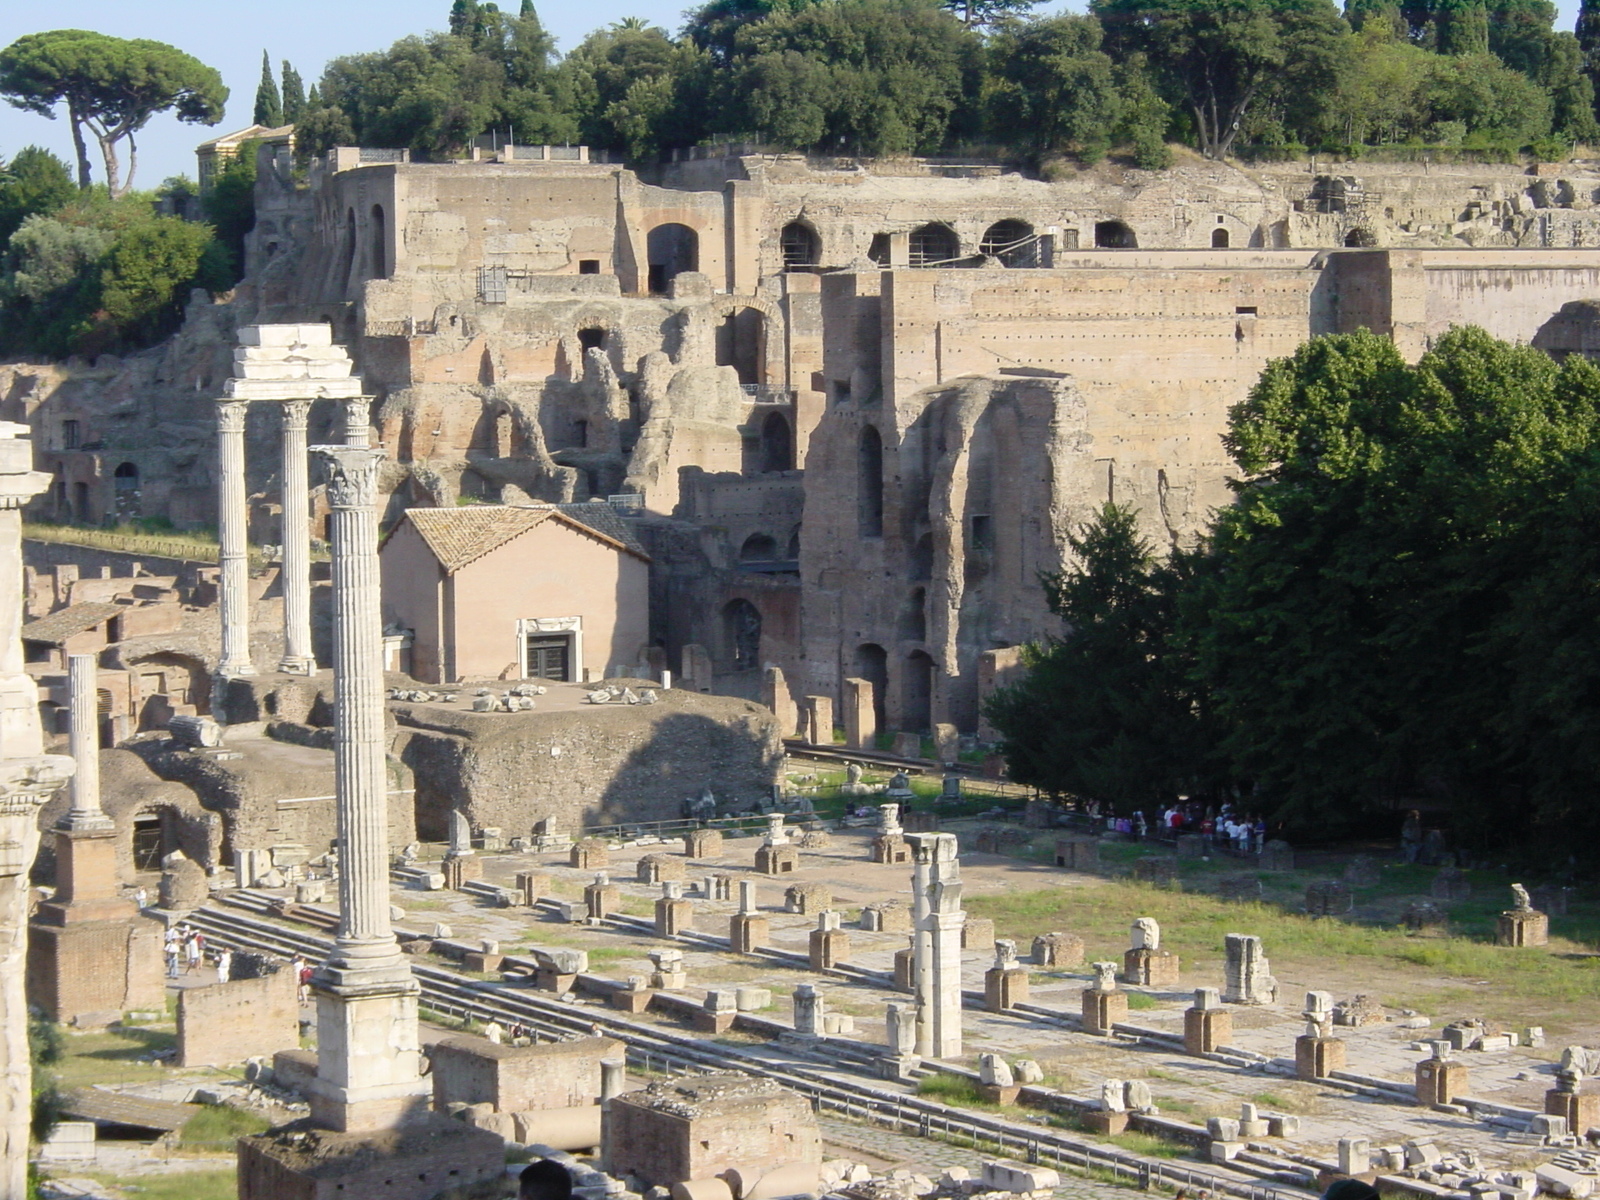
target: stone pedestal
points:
(995, 1093)
(1206, 1029)
(899, 1066)
(630, 1000)
(905, 969)
(1078, 853)
(1440, 1081)
(589, 855)
(816, 716)
(828, 947)
(531, 885)
(891, 848)
(1106, 1124)
(550, 979)
(601, 900)
(1150, 968)
(482, 962)
(1004, 987)
(302, 1162)
(777, 860)
(1581, 1110)
(1522, 927)
(1317, 1057)
(673, 916)
(860, 715)
(1102, 1010)
(977, 934)
(458, 871)
(748, 933)
(703, 843)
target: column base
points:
(236, 670)
(369, 1057)
(296, 665)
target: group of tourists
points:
(185, 950)
(1221, 828)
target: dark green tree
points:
(1105, 712)
(1051, 87)
(977, 14)
(1220, 60)
(1521, 33)
(1461, 27)
(269, 106)
(111, 87)
(1382, 16)
(636, 90)
(294, 95)
(35, 181)
(230, 206)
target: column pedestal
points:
(1522, 927)
(1205, 1030)
(748, 933)
(828, 948)
(673, 917)
(1004, 987)
(1581, 1110)
(905, 969)
(1317, 1057)
(1102, 1010)
(1440, 1081)
(1150, 968)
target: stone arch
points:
(758, 547)
(1114, 235)
(800, 245)
(170, 682)
(869, 482)
(380, 243)
(872, 664)
(1219, 238)
(777, 444)
(741, 635)
(1012, 242)
(670, 250)
(742, 343)
(917, 692)
(934, 244)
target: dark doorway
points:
(777, 449)
(125, 483)
(918, 693)
(149, 841)
(869, 483)
(934, 246)
(800, 245)
(872, 664)
(1114, 235)
(672, 249)
(550, 657)
(1219, 239)
(1012, 242)
(741, 635)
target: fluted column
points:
(83, 679)
(361, 778)
(28, 778)
(298, 658)
(232, 534)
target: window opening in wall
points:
(125, 484)
(914, 621)
(878, 251)
(80, 501)
(1012, 242)
(741, 635)
(349, 248)
(591, 339)
(69, 435)
(671, 249)
(869, 483)
(1114, 235)
(147, 843)
(1071, 239)
(982, 533)
(872, 664)
(580, 433)
(918, 690)
(841, 391)
(550, 656)
(758, 547)
(934, 245)
(1245, 310)
(380, 244)
(1219, 239)
(922, 558)
(588, 266)
(800, 247)
(777, 453)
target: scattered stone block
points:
(660, 868)
(977, 934)
(703, 843)
(1058, 951)
(1329, 898)
(590, 854)
(777, 860)
(1078, 852)
(1364, 1010)
(808, 899)
(752, 999)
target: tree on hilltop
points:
(269, 107)
(34, 181)
(111, 87)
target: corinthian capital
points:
(352, 475)
(295, 414)
(230, 415)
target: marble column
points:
(232, 533)
(937, 948)
(83, 679)
(369, 1060)
(28, 778)
(357, 419)
(298, 658)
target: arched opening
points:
(1360, 238)
(777, 447)
(922, 559)
(917, 716)
(591, 339)
(1012, 242)
(741, 635)
(1114, 235)
(1219, 239)
(872, 664)
(349, 249)
(914, 617)
(503, 430)
(671, 249)
(869, 483)
(801, 247)
(878, 251)
(934, 245)
(758, 547)
(380, 244)
(125, 485)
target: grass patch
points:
(114, 1056)
(191, 1185)
(1142, 1001)
(955, 1090)
(1149, 1145)
(216, 1127)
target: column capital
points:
(231, 415)
(296, 413)
(357, 420)
(352, 475)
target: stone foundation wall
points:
(226, 1023)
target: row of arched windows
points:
(1012, 241)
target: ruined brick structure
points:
(859, 406)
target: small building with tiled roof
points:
(514, 592)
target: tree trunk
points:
(76, 122)
(108, 151)
(133, 163)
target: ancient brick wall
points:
(226, 1023)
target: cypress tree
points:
(269, 108)
(1588, 32)
(294, 95)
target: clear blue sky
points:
(230, 36)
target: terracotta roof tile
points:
(458, 536)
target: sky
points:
(231, 36)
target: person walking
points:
(224, 965)
(191, 951)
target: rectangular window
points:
(69, 435)
(1245, 310)
(841, 391)
(588, 266)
